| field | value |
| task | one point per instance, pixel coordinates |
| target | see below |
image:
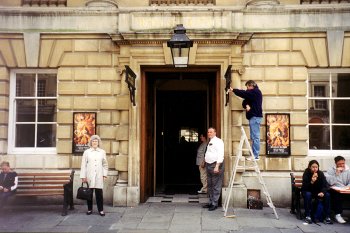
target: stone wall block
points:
(257, 45)
(76, 161)
(299, 148)
(115, 147)
(71, 88)
(64, 147)
(124, 117)
(121, 163)
(100, 59)
(116, 87)
(300, 163)
(64, 74)
(268, 88)
(64, 117)
(111, 161)
(99, 88)
(320, 47)
(300, 73)
(116, 117)
(291, 59)
(104, 118)
(264, 59)
(124, 147)
(4, 88)
(107, 132)
(86, 45)
(33, 161)
(64, 102)
(306, 48)
(299, 103)
(299, 118)
(85, 103)
(109, 74)
(122, 132)
(4, 74)
(236, 118)
(123, 102)
(280, 44)
(247, 59)
(277, 103)
(4, 118)
(108, 103)
(292, 88)
(253, 73)
(277, 73)
(278, 164)
(64, 131)
(3, 132)
(4, 102)
(73, 59)
(57, 162)
(346, 55)
(106, 145)
(84, 74)
(3, 147)
(299, 133)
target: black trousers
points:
(99, 199)
(337, 201)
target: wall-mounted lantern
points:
(180, 46)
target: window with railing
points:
(182, 2)
(324, 1)
(44, 2)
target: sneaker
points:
(339, 219)
(201, 192)
(257, 159)
(308, 219)
(328, 221)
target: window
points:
(188, 135)
(329, 114)
(32, 123)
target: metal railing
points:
(182, 2)
(44, 2)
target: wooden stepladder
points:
(244, 142)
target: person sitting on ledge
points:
(8, 183)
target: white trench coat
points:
(94, 167)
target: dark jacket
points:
(320, 184)
(254, 99)
(9, 180)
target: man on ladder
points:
(252, 103)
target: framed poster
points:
(84, 127)
(277, 134)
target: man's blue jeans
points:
(254, 125)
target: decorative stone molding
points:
(101, 3)
(182, 2)
(238, 69)
(262, 3)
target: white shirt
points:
(215, 151)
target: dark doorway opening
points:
(178, 107)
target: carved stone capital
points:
(238, 69)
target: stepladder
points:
(244, 146)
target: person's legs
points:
(209, 182)
(254, 126)
(318, 217)
(203, 174)
(89, 203)
(307, 203)
(99, 199)
(217, 180)
(3, 198)
(327, 204)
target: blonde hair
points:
(5, 163)
(95, 137)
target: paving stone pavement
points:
(157, 218)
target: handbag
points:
(84, 193)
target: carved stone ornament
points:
(240, 70)
(262, 3)
(101, 3)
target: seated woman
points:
(8, 183)
(315, 187)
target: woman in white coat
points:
(94, 169)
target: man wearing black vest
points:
(8, 183)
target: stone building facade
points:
(297, 51)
